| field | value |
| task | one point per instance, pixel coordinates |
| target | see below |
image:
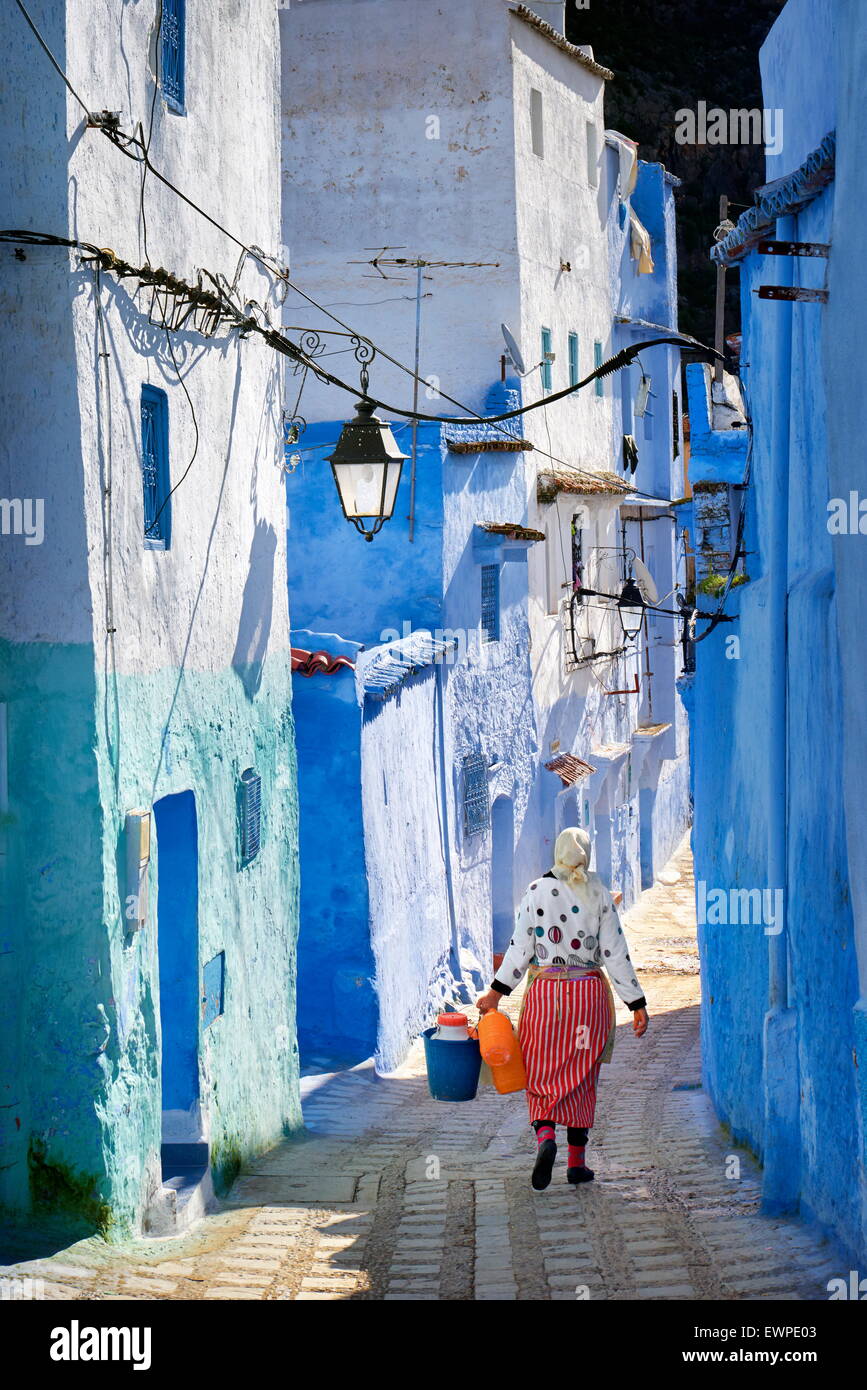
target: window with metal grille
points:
(477, 807)
(251, 814)
(599, 383)
(173, 24)
(155, 467)
(546, 365)
(573, 359)
(490, 603)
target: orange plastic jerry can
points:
(499, 1047)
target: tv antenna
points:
(416, 263)
(419, 264)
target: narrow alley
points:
(394, 1196)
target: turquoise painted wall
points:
(86, 1056)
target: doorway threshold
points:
(186, 1192)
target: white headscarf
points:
(572, 855)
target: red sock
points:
(543, 1132)
(575, 1156)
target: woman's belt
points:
(562, 972)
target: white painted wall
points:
(398, 130)
(82, 186)
(561, 218)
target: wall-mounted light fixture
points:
(630, 606)
(367, 465)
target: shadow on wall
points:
(257, 607)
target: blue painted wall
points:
(780, 1018)
(411, 925)
(340, 583)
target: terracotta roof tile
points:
(570, 769)
(306, 663)
(555, 480)
(489, 446)
(513, 530)
(529, 17)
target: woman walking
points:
(566, 930)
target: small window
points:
(213, 988)
(155, 467)
(573, 359)
(490, 603)
(546, 362)
(477, 806)
(537, 131)
(251, 814)
(599, 383)
(173, 42)
(592, 155)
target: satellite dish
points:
(513, 350)
(645, 583)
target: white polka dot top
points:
(557, 924)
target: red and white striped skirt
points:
(563, 1031)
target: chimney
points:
(552, 11)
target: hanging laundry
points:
(640, 244)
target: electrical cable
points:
(116, 137)
(280, 343)
(54, 63)
(624, 358)
(147, 144)
(183, 385)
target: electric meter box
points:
(137, 836)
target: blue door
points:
(178, 951)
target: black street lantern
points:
(630, 606)
(367, 465)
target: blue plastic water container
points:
(452, 1067)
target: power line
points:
(54, 63)
(624, 358)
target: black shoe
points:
(543, 1165)
(576, 1175)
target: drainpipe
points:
(782, 1139)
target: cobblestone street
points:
(392, 1196)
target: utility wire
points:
(54, 63)
(123, 142)
(183, 386)
(147, 143)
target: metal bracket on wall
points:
(794, 248)
(633, 690)
(793, 292)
